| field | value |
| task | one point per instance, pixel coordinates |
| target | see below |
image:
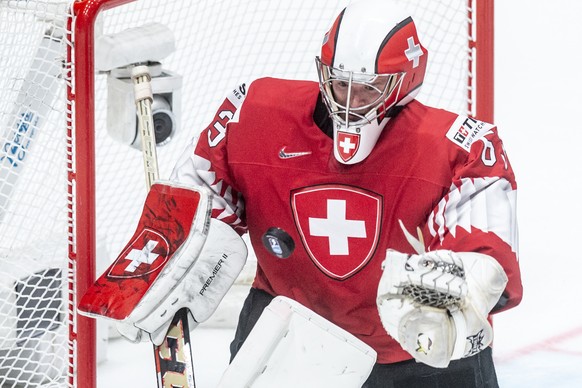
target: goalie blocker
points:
(178, 257)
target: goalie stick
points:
(143, 100)
(173, 358)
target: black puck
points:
(278, 242)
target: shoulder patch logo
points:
(466, 130)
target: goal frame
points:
(81, 185)
(82, 210)
(483, 44)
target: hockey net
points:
(71, 194)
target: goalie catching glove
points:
(436, 304)
(178, 257)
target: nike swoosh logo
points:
(289, 155)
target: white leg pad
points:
(291, 346)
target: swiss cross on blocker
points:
(144, 255)
(339, 226)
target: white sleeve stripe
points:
(488, 204)
(196, 171)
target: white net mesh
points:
(33, 217)
(219, 44)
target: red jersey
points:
(270, 165)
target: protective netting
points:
(33, 200)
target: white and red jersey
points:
(272, 166)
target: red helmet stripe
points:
(390, 55)
(328, 48)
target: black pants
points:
(473, 372)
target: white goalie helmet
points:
(371, 63)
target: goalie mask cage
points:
(70, 195)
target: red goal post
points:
(70, 194)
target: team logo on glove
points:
(424, 343)
(143, 256)
(476, 342)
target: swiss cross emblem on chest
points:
(347, 145)
(144, 255)
(339, 226)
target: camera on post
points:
(122, 123)
(115, 55)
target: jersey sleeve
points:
(204, 162)
(478, 213)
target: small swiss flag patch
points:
(347, 145)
